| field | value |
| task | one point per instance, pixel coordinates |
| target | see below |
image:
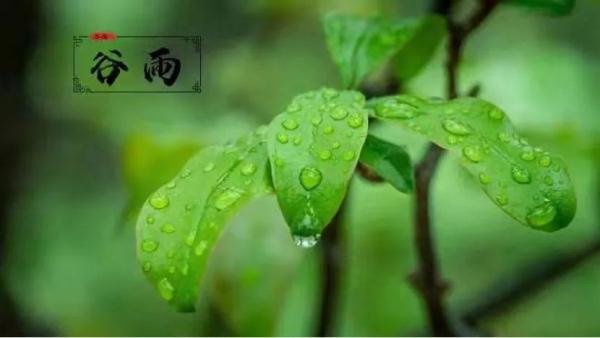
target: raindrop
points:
(355, 120)
(147, 267)
(484, 178)
(504, 137)
(545, 161)
(394, 109)
(338, 113)
(227, 198)
(548, 180)
(209, 167)
(502, 199)
(452, 139)
(473, 153)
(496, 114)
(454, 127)
(335, 145)
(282, 138)
(520, 175)
(166, 289)
(325, 155)
(290, 124)
(542, 215)
(150, 220)
(168, 228)
(248, 169)
(306, 241)
(329, 94)
(189, 240)
(149, 245)
(310, 178)
(348, 155)
(171, 185)
(328, 130)
(316, 120)
(297, 140)
(200, 248)
(359, 98)
(159, 201)
(279, 162)
(189, 206)
(294, 107)
(528, 154)
(185, 173)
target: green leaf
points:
(179, 224)
(313, 148)
(360, 46)
(417, 52)
(389, 161)
(149, 163)
(525, 181)
(550, 7)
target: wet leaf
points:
(180, 222)
(149, 163)
(528, 183)
(550, 7)
(360, 46)
(313, 149)
(389, 161)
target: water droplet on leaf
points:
(168, 228)
(159, 201)
(473, 153)
(166, 289)
(290, 124)
(520, 175)
(325, 155)
(149, 245)
(310, 178)
(484, 178)
(355, 120)
(338, 113)
(199, 250)
(454, 127)
(282, 138)
(228, 198)
(545, 161)
(542, 215)
(209, 167)
(248, 169)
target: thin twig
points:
(332, 241)
(332, 249)
(427, 279)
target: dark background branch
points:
(427, 278)
(529, 279)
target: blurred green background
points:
(68, 260)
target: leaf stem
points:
(427, 278)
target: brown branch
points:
(427, 279)
(332, 251)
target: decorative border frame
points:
(80, 88)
